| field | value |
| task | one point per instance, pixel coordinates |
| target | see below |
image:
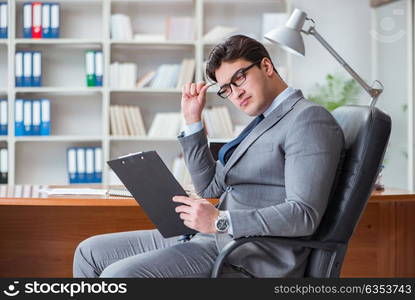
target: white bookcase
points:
(80, 114)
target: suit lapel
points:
(263, 126)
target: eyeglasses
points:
(237, 79)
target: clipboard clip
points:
(130, 154)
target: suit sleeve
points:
(313, 148)
(206, 173)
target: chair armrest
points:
(303, 242)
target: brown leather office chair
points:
(366, 131)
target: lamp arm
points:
(373, 92)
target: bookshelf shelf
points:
(58, 138)
(145, 90)
(80, 115)
(150, 43)
(141, 139)
(86, 42)
(59, 90)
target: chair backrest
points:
(366, 130)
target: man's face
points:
(248, 96)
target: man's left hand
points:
(198, 214)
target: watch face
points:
(222, 224)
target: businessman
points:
(274, 179)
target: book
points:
(146, 79)
(90, 68)
(36, 20)
(27, 20)
(121, 28)
(4, 20)
(219, 33)
(180, 28)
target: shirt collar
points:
(278, 100)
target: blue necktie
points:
(226, 151)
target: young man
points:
(274, 179)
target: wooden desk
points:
(39, 235)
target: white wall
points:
(345, 25)
(392, 69)
(370, 48)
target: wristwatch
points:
(222, 222)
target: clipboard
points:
(153, 186)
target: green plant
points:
(336, 92)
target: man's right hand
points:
(193, 101)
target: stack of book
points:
(180, 28)
(41, 20)
(166, 76)
(187, 71)
(84, 164)
(123, 75)
(126, 120)
(170, 75)
(21, 190)
(32, 117)
(121, 28)
(3, 20)
(217, 122)
(180, 171)
(94, 68)
(218, 33)
(166, 125)
(4, 165)
(3, 117)
(28, 67)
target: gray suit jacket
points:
(277, 182)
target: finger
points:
(193, 89)
(183, 208)
(187, 89)
(185, 217)
(204, 89)
(189, 224)
(183, 199)
(199, 86)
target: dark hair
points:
(234, 47)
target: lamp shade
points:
(289, 37)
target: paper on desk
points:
(69, 191)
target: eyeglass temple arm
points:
(373, 92)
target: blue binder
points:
(3, 20)
(71, 165)
(89, 163)
(36, 68)
(97, 164)
(27, 20)
(18, 118)
(54, 20)
(36, 117)
(80, 164)
(27, 117)
(99, 67)
(3, 117)
(27, 68)
(46, 32)
(19, 68)
(45, 117)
